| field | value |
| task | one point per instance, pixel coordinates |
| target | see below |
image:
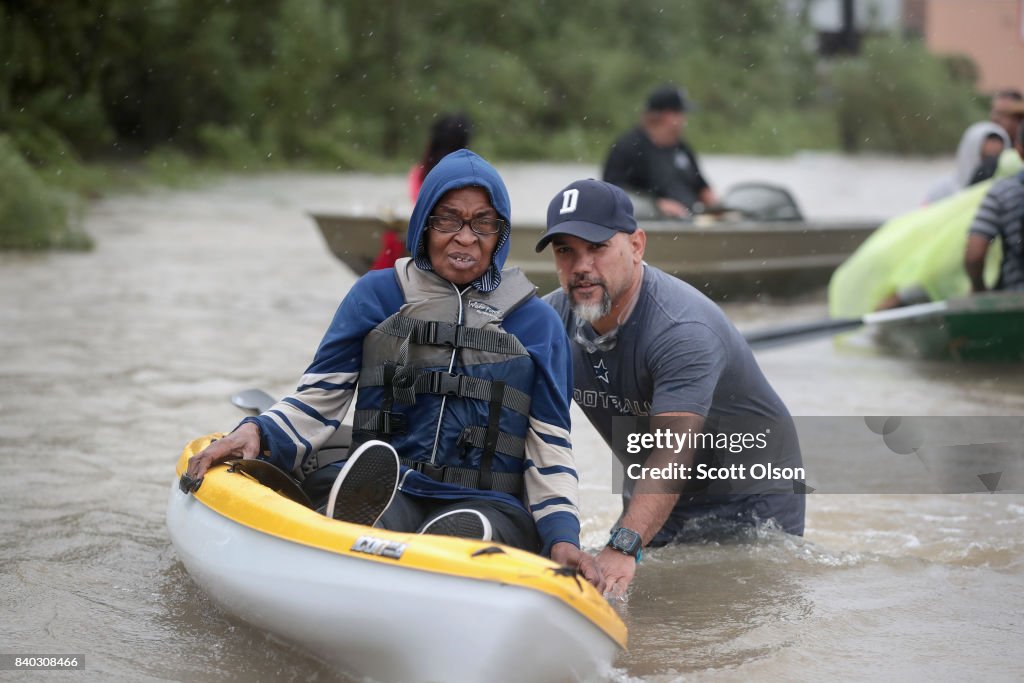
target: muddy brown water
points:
(110, 361)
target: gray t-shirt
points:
(677, 352)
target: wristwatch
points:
(627, 541)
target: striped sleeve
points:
(550, 477)
(301, 423)
(991, 213)
(552, 484)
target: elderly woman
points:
(464, 380)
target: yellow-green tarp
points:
(923, 248)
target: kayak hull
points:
(376, 618)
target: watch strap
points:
(638, 555)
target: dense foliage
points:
(32, 214)
(896, 97)
(346, 83)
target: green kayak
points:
(983, 327)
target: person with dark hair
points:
(448, 134)
(1001, 215)
(461, 379)
(653, 160)
(1007, 110)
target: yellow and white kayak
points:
(385, 605)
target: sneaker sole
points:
(366, 485)
(461, 524)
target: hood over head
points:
(461, 169)
(968, 153)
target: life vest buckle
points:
(465, 441)
(435, 472)
(392, 422)
(446, 383)
(441, 334)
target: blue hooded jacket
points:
(299, 424)
(455, 171)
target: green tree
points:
(347, 83)
(897, 97)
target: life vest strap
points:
(504, 482)
(506, 444)
(436, 333)
(491, 433)
(371, 423)
(464, 386)
(444, 383)
(380, 422)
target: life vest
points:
(446, 385)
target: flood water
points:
(111, 361)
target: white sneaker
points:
(462, 523)
(365, 485)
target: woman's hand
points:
(243, 443)
(570, 556)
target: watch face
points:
(627, 541)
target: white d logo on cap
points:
(569, 199)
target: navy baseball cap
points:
(668, 98)
(592, 210)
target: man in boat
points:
(460, 369)
(649, 347)
(653, 160)
(1001, 215)
(1007, 111)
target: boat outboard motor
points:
(762, 202)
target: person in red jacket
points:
(449, 133)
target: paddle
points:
(254, 401)
(800, 331)
(763, 339)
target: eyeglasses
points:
(481, 226)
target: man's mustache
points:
(581, 280)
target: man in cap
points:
(647, 345)
(653, 160)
